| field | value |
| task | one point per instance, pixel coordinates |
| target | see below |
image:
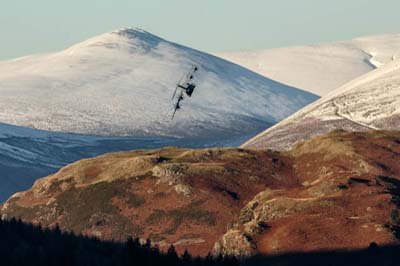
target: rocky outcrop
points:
(234, 243)
(349, 186)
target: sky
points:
(28, 27)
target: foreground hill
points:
(370, 102)
(180, 196)
(320, 68)
(337, 191)
(121, 83)
(27, 154)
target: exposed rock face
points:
(347, 199)
(337, 191)
(234, 243)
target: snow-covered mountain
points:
(118, 86)
(369, 102)
(320, 68)
(121, 83)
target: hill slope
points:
(320, 68)
(232, 201)
(121, 83)
(27, 154)
(181, 196)
(367, 103)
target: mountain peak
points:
(120, 84)
(130, 39)
(135, 33)
(130, 30)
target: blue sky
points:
(28, 26)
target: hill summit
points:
(120, 84)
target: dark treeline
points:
(374, 255)
(26, 244)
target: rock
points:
(189, 241)
(234, 243)
(168, 173)
(246, 215)
(183, 189)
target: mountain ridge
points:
(320, 68)
(369, 102)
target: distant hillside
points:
(320, 68)
(370, 102)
